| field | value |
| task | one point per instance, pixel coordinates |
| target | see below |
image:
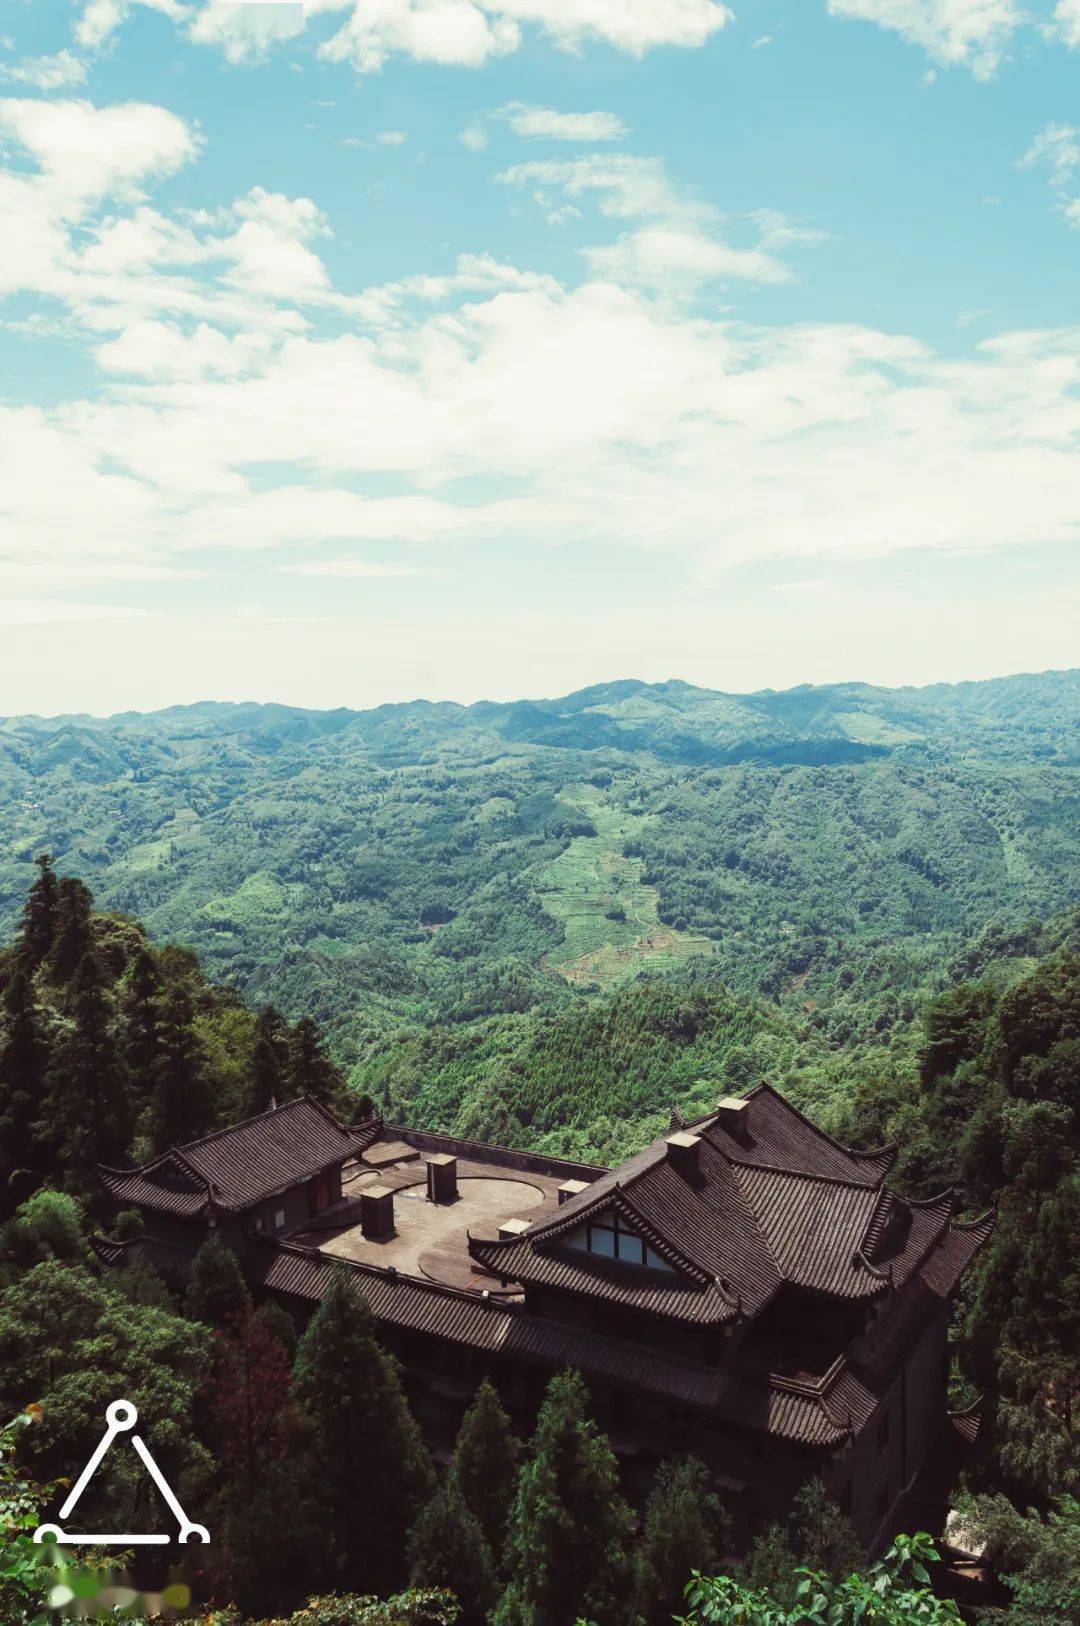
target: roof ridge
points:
(924, 1204)
(170, 1155)
(987, 1218)
(806, 1174)
(268, 1112)
(823, 1134)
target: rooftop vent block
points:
(683, 1151)
(571, 1188)
(733, 1114)
(442, 1178)
(377, 1211)
(511, 1229)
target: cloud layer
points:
(492, 404)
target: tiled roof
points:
(782, 1202)
(235, 1168)
(735, 1229)
(506, 1331)
(813, 1413)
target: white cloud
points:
(391, 138)
(474, 137)
(546, 124)
(460, 33)
(246, 33)
(100, 19)
(624, 185)
(681, 249)
(1066, 23)
(47, 72)
(84, 153)
(1057, 149)
(969, 33)
(497, 403)
(664, 256)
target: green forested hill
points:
(835, 852)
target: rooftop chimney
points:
(682, 1152)
(442, 1178)
(571, 1188)
(732, 1114)
(377, 1211)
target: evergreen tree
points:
(143, 1010)
(39, 915)
(280, 1324)
(569, 1531)
(310, 1070)
(374, 1471)
(216, 1290)
(684, 1531)
(72, 937)
(24, 1057)
(824, 1539)
(268, 1064)
(485, 1464)
(87, 1118)
(182, 1107)
(446, 1548)
(265, 1511)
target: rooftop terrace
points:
(430, 1238)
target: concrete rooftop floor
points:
(430, 1239)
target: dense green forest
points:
(834, 852)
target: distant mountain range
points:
(676, 721)
(432, 862)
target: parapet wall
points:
(505, 1157)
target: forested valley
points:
(545, 926)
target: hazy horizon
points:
(524, 699)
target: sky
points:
(365, 350)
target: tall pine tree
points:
(268, 1081)
(217, 1293)
(182, 1107)
(39, 915)
(265, 1511)
(447, 1549)
(485, 1464)
(569, 1534)
(374, 1472)
(72, 937)
(142, 1006)
(24, 1057)
(684, 1530)
(87, 1115)
(310, 1070)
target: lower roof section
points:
(821, 1415)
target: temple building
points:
(745, 1288)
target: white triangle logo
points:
(120, 1418)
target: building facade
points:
(745, 1288)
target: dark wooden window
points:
(883, 1435)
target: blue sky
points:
(478, 348)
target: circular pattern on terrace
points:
(431, 1239)
(488, 1202)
